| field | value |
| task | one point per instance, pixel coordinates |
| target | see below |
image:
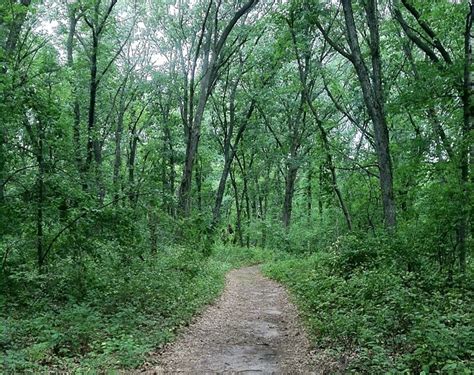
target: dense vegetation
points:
(146, 147)
(368, 314)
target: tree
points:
(373, 93)
(210, 44)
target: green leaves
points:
(390, 320)
(126, 312)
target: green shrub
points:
(234, 256)
(93, 314)
(122, 310)
(356, 299)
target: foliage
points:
(234, 257)
(146, 147)
(357, 301)
(128, 309)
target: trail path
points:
(251, 329)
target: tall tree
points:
(371, 83)
(211, 45)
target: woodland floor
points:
(252, 328)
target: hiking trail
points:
(252, 328)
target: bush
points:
(94, 314)
(125, 311)
(358, 302)
(234, 256)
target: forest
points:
(148, 147)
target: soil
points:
(252, 328)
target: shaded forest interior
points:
(147, 147)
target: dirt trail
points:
(251, 329)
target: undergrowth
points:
(364, 301)
(91, 316)
(363, 305)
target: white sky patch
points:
(50, 27)
(173, 10)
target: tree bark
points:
(76, 107)
(238, 208)
(320, 194)
(171, 165)
(290, 180)
(133, 144)
(330, 164)
(9, 45)
(209, 68)
(94, 144)
(153, 230)
(16, 26)
(309, 195)
(229, 155)
(199, 184)
(40, 199)
(118, 145)
(91, 136)
(372, 90)
(466, 148)
(243, 167)
(304, 69)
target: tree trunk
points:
(330, 165)
(290, 180)
(309, 195)
(245, 193)
(131, 166)
(209, 69)
(3, 164)
(184, 195)
(15, 27)
(171, 163)
(238, 208)
(199, 184)
(153, 230)
(94, 148)
(373, 97)
(118, 147)
(9, 46)
(304, 70)
(466, 138)
(76, 108)
(320, 194)
(40, 199)
(91, 136)
(229, 155)
(194, 126)
(216, 212)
